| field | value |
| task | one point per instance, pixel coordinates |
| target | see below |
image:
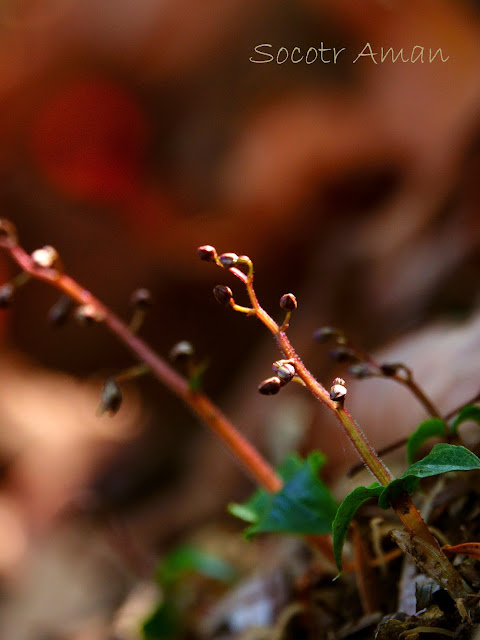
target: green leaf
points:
(470, 412)
(303, 506)
(443, 458)
(345, 514)
(186, 559)
(424, 431)
(164, 622)
(251, 510)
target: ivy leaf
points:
(303, 506)
(424, 431)
(470, 412)
(443, 458)
(251, 510)
(345, 514)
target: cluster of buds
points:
(362, 364)
(226, 260)
(345, 352)
(284, 371)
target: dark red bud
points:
(361, 370)
(324, 334)
(59, 313)
(141, 299)
(228, 260)
(389, 369)
(344, 354)
(111, 397)
(207, 252)
(223, 294)
(288, 302)
(270, 386)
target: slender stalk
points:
(357, 437)
(246, 455)
(435, 563)
(410, 383)
(242, 450)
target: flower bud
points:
(324, 334)
(110, 398)
(207, 253)
(338, 390)
(344, 354)
(288, 302)
(47, 257)
(361, 370)
(58, 314)
(284, 371)
(7, 292)
(223, 294)
(8, 233)
(270, 386)
(228, 260)
(181, 352)
(390, 370)
(141, 299)
(87, 314)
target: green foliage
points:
(166, 620)
(470, 412)
(424, 431)
(345, 514)
(187, 559)
(303, 506)
(443, 458)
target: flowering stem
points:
(242, 450)
(436, 563)
(355, 434)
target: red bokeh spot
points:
(90, 140)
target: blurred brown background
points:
(132, 132)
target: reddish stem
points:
(242, 450)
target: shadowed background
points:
(132, 132)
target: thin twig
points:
(242, 450)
